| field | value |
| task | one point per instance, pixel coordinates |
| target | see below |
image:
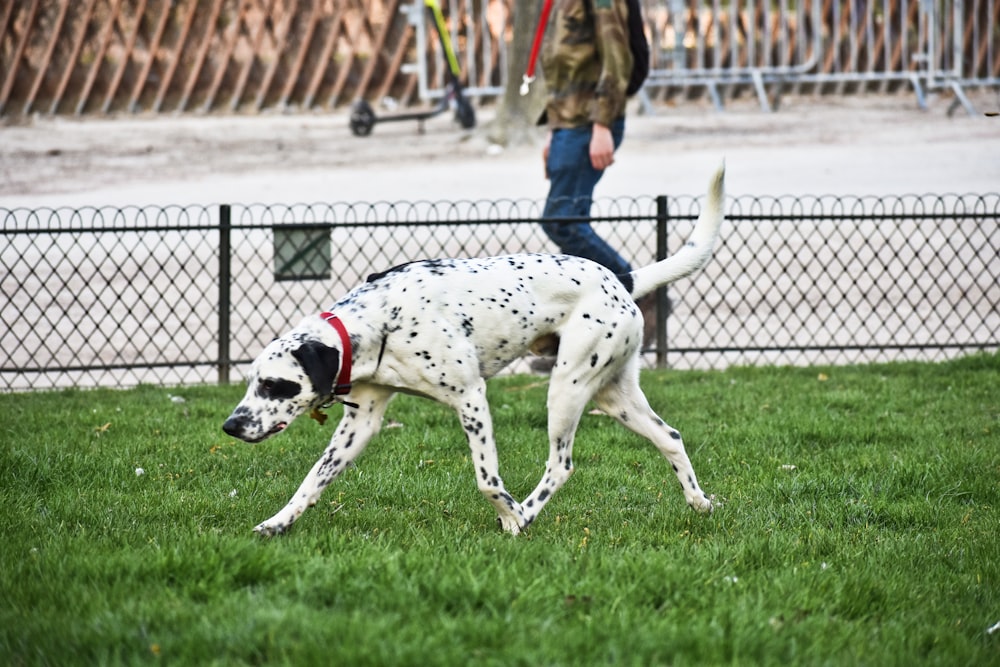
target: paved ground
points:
(872, 145)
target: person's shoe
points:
(542, 365)
(647, 306)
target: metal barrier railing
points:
(482, 50)
(795, 45)
(826, 47)
(180, 295)
(715, 44)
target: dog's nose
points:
(233, 427)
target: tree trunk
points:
(517, 115)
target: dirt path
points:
(810, 146)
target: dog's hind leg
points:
(623, 399)
(474, 412)
(585, 361)
(353, 433)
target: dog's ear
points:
(321, 363)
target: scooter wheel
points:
(465, 113)
(362, 118)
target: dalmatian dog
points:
(441, 328)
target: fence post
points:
(662, 304)
(225, 284)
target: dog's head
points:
(293, 374)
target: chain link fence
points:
(186, 295)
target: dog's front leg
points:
(357, 427)
(474, 412)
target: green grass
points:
(880, 547)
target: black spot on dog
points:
(382, 274)
(278, 389)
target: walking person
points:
(587, 63)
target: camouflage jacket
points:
(587, 62)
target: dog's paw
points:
(703, 504)
(270, 528)
(510, 525)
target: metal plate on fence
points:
(301, 252)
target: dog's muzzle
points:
(239, 426)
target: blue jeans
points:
(571, 190)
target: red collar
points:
(343, 385)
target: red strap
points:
(543, 20)
(343, 385)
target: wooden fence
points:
(103, 56)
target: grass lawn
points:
(860, 525)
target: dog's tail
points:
(695, 253)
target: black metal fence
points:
(181, 295)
